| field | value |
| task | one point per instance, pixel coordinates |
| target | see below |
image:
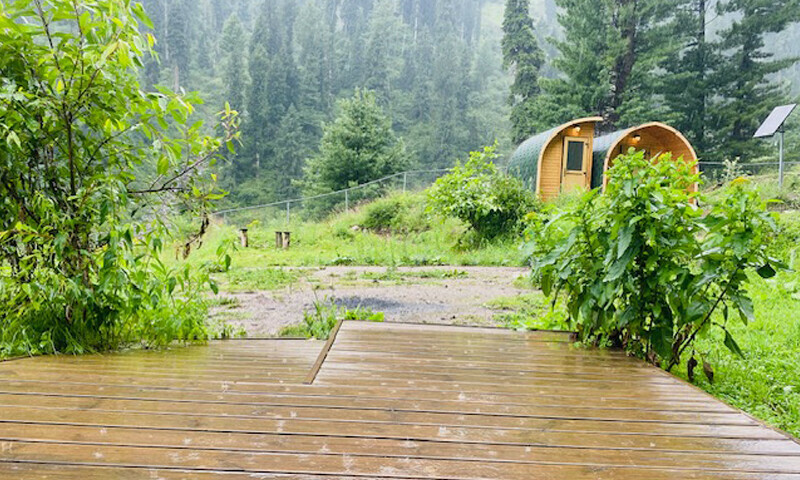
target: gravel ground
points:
(457, 300)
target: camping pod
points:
(557, 160)
(653, 138)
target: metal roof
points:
(524, 163)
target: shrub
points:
(88, 164)
(491, 203)
(643, 268)
(398, 213)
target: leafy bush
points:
(319, 322)
(398, 213)
(87, 163)
(491, 203)
(643, 268)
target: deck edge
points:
(323, 354)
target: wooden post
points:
(243, 237)
(278, 240)
(287, 240)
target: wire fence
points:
(718, 173)
(285, 212)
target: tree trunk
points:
(626, 24)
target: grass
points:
(247, 279)
(766, 383)
(399, 276)
(410, 238)
(319, 322)
(529, 311)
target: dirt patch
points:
(439, 295)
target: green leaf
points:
(13, 138)
(745, 307)
(214, 287)
(163, 165)
(732, 345)
(625, 237)
(111, 48)
(766, 271)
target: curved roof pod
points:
(654, 138)
(529, 160)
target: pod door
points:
(575, 164)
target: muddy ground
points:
(442, 295)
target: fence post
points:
(405, 181)
(287, 213)
(346, 201)
(780, 159)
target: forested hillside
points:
(435, 68)
(453, 75)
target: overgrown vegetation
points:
(87, 160)
(490, 202)
(644, 268)
(319, 322)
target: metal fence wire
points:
(317, 206)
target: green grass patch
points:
(318, 322)
(402, 235)
(530, 311)
(393, 274)
(254, 279)
(766, 382)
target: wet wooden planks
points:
(390, 401)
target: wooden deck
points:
(389, 401)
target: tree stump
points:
(243, 238)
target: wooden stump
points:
(283, 240)
(243, 238)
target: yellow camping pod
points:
(557, 160)
(654, 138)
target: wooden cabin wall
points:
(655, 140)
(552, 158)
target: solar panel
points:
(775, 121)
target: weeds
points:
(251, 279)
(531, 311)
(319, 322)
(393, 274)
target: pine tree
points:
(746, 91)
(522, 53)
(450, 90)
(234, 76)
(178, 40)
(314, 57)
(383, 59)
(273, 91)
(358, 147)
(608, 57)
(689, 84)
